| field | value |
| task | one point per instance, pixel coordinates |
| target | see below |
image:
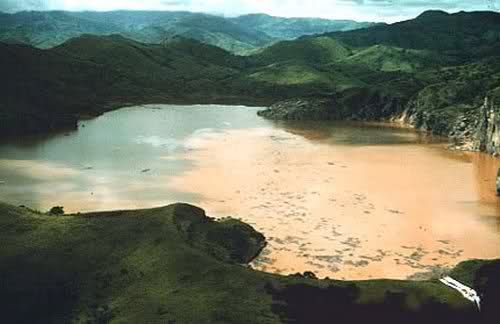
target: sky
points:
(360, 10)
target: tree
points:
(56, 211)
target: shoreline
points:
(201, 254)
(266, 103)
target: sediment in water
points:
(129, 266)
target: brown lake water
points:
(345, 200)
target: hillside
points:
(434, 73)
(170, 265)
(239, 35)
(464, 35)
(291, 28)
(458, 101)
(46, 29)
(156, 66)
(36, 85)
(47, 89)
(390, 59)
(434, 86)
(312, 51)
(222, 32)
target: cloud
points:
(16, 5)
(374, 10)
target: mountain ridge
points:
(46, 29)
(427, 88)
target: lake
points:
(345, 200)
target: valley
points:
(345, 166)
(424, 85)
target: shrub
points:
(56, 211)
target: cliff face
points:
(478, 129)
(487, 135)
(352, 104)
(469, 126)
(302, 109)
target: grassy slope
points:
(311, 50)
(290, 28)
(464, 35)
(140, 266)
(179, 60)
(133, 267)
(91, 74)
(416, 71)
(238, 35)
(48, 29)
(388, 59)
(450, 92)
(36, 85)
(439, 68)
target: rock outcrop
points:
(498, 183)
(302, 109)
(474, 126)
(351, 104)
(478, 129)
(229, 239)
(487, 135)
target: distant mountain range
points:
(435, 72)
(244, 34)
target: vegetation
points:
(175, 265)
(417, 71)
(56, 211)
(464, 35)
(290, 28)
(239, 35)
(434, 73)
(390, 59)
(50, 89)
(313, 51)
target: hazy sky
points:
(373, 10)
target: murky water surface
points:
(344, 200)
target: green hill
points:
(464, 35)
(42, 90)
(404, 77)
(291, 28)
(45, 89)
(223, 33)
(45, 29)
(454, 95)
(310, 50)
(389, 59)
(175, 265)
(48, 29)
(155, 66)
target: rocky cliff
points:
(302, 109)
(487, 134)
(351, 104)
(472, 126)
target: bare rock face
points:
(351, 104)
(228, 239)
(470, 127)
(301, 109)
(488, 131)
(498, 183)
(476, 128)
